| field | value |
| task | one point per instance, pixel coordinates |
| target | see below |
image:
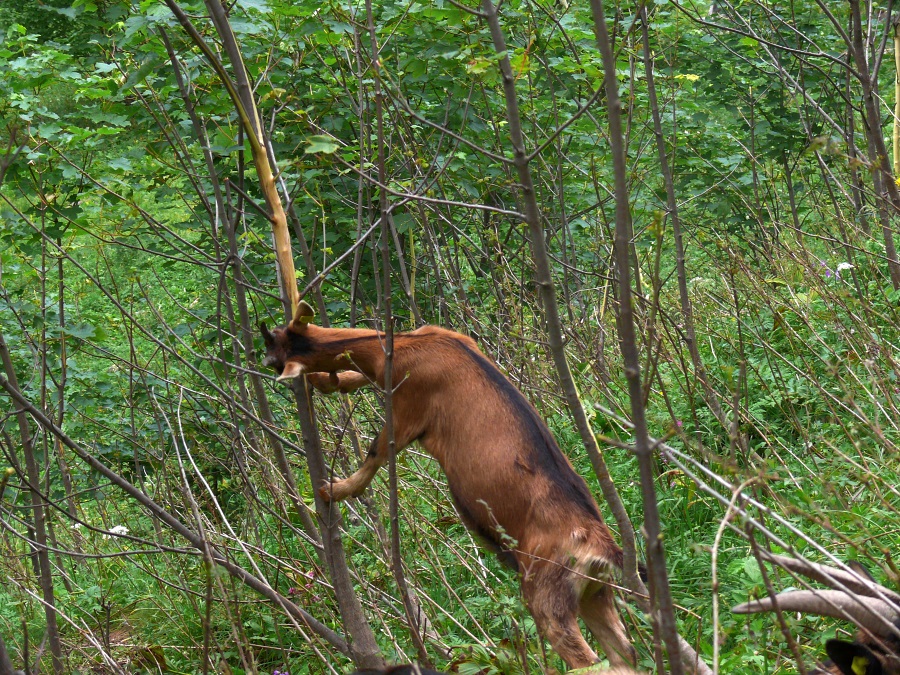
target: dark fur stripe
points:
(544, 451)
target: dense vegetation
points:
(158, 513)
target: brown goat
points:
(511, 483)
(873, 608)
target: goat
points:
(510, 482)
(853, 595)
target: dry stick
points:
(365, 651)
(687, 310)
(242, 98)
(262, 401)
(361, 187)
(158, 512)
(544, 282)
(256, 135)
(37, 505)
(857, 190)
(265, 411)
(878, 151)
(406, 281)
(6, 667)
(188, 496)
(782, 624)
(364, 648)
(386, 236)
(315, 286)
(662, 598)
(44, 376)
(896, 21)
(217, 215)
(61, 387)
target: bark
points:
(896, 20)
(6, 667)
(363, 647)
(659, 583)
(246, 340)
(546, 289)
(242, 97)
(412, 610)
(40, 528)
(886, 190)
(687, 311)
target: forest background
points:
(703, 191)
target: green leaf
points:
(260, 6)
(121, 163)
(321, 143)
(84, 331)
(147, 66)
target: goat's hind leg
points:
(551, 599)
(597, 609)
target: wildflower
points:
(844, 266)
(116, 530)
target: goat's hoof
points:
(326, 492)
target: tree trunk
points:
(40, 530)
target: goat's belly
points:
(500, 511)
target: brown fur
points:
(511, 483)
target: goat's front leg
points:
(345, 381)
(355, 485)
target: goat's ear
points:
(853, 658)
(302, 316)
(268, 338)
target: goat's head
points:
(286, 346)
(853, 595)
